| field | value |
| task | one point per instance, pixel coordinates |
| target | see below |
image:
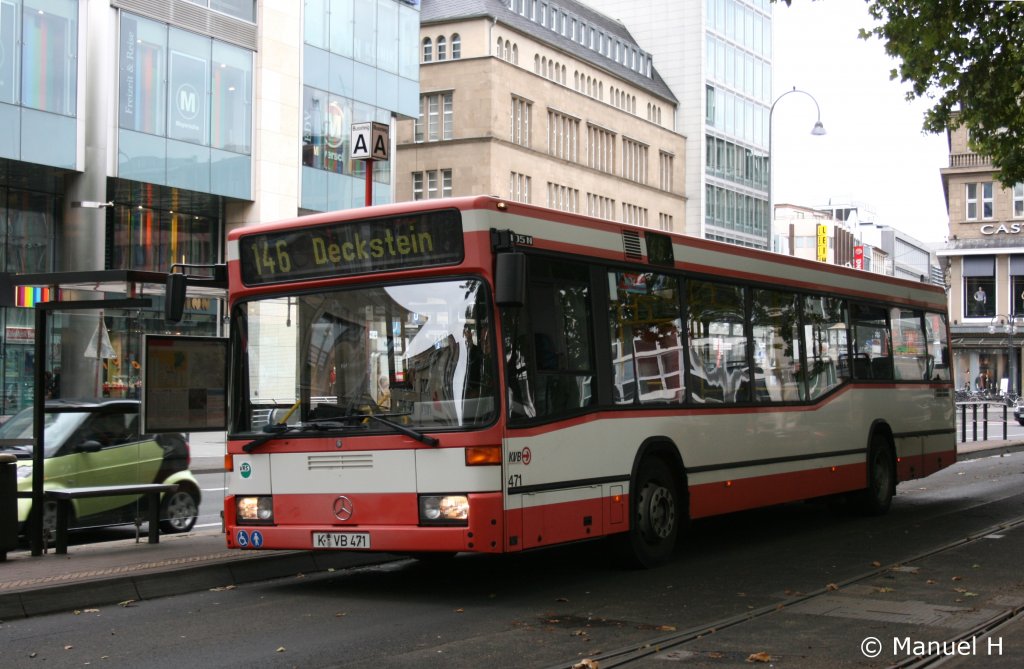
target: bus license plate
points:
(341, 540)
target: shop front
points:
(987, 363)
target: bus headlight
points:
(254, 509)
(444, 509)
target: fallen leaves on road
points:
(222, 588)
(831, 587)
(126, 603)
(280, 649)
(761, 656)
(586, 663)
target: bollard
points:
(8, 504)
(963, 423)
(984, 417)
(974, 423)
(1005, 422)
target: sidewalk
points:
(106, 573)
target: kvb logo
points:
(520, 457)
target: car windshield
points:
(57, 427)
(418, 355)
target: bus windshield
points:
(417, 354)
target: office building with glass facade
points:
(716, 56)
(138, 132)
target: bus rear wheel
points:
(656, 515)
(877, 497)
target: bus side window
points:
(777, 347)
(938, 346)
(646, 338)
(719, 369)
(825, 333)
(871, 340)
(910, 350)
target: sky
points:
(874, 151)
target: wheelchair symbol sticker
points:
(243, 539)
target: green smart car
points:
(97, 443)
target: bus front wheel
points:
(656, 515)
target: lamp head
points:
(818, 128)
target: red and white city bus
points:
(474, 374)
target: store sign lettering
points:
(1001, 229)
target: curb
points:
(219, 573)
(1001, 448)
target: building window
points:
(180, 85)
(979, 191)
(600, 149)
(438, 184)
(435, 119)
(634, 161)
(242, 9)
(456, 46)
(600, 206)
(563, 136)
(428, 50)
(519, 187)
(665, 222)
(1018, 201)
(520, 121)
(979, 286)
(442, 48)
(665, 170)
(563, 198)
(48, 68)
(634, 215)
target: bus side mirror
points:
(510, 280)
(174, 300)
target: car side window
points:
(109, 429)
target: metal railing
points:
(968, 413)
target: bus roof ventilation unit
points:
(631, 245)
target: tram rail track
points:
(631, 654)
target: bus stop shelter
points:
(99, 290)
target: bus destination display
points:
(352, 247)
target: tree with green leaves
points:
(967, 56)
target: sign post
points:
(370, 142)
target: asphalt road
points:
(556, 607)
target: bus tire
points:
(656, 515)
(877, 497)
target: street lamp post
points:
(817, 130)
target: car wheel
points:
(179, 510)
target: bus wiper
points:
(404, 429)
(275, 430)
(353, 412)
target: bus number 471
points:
(515, 480)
